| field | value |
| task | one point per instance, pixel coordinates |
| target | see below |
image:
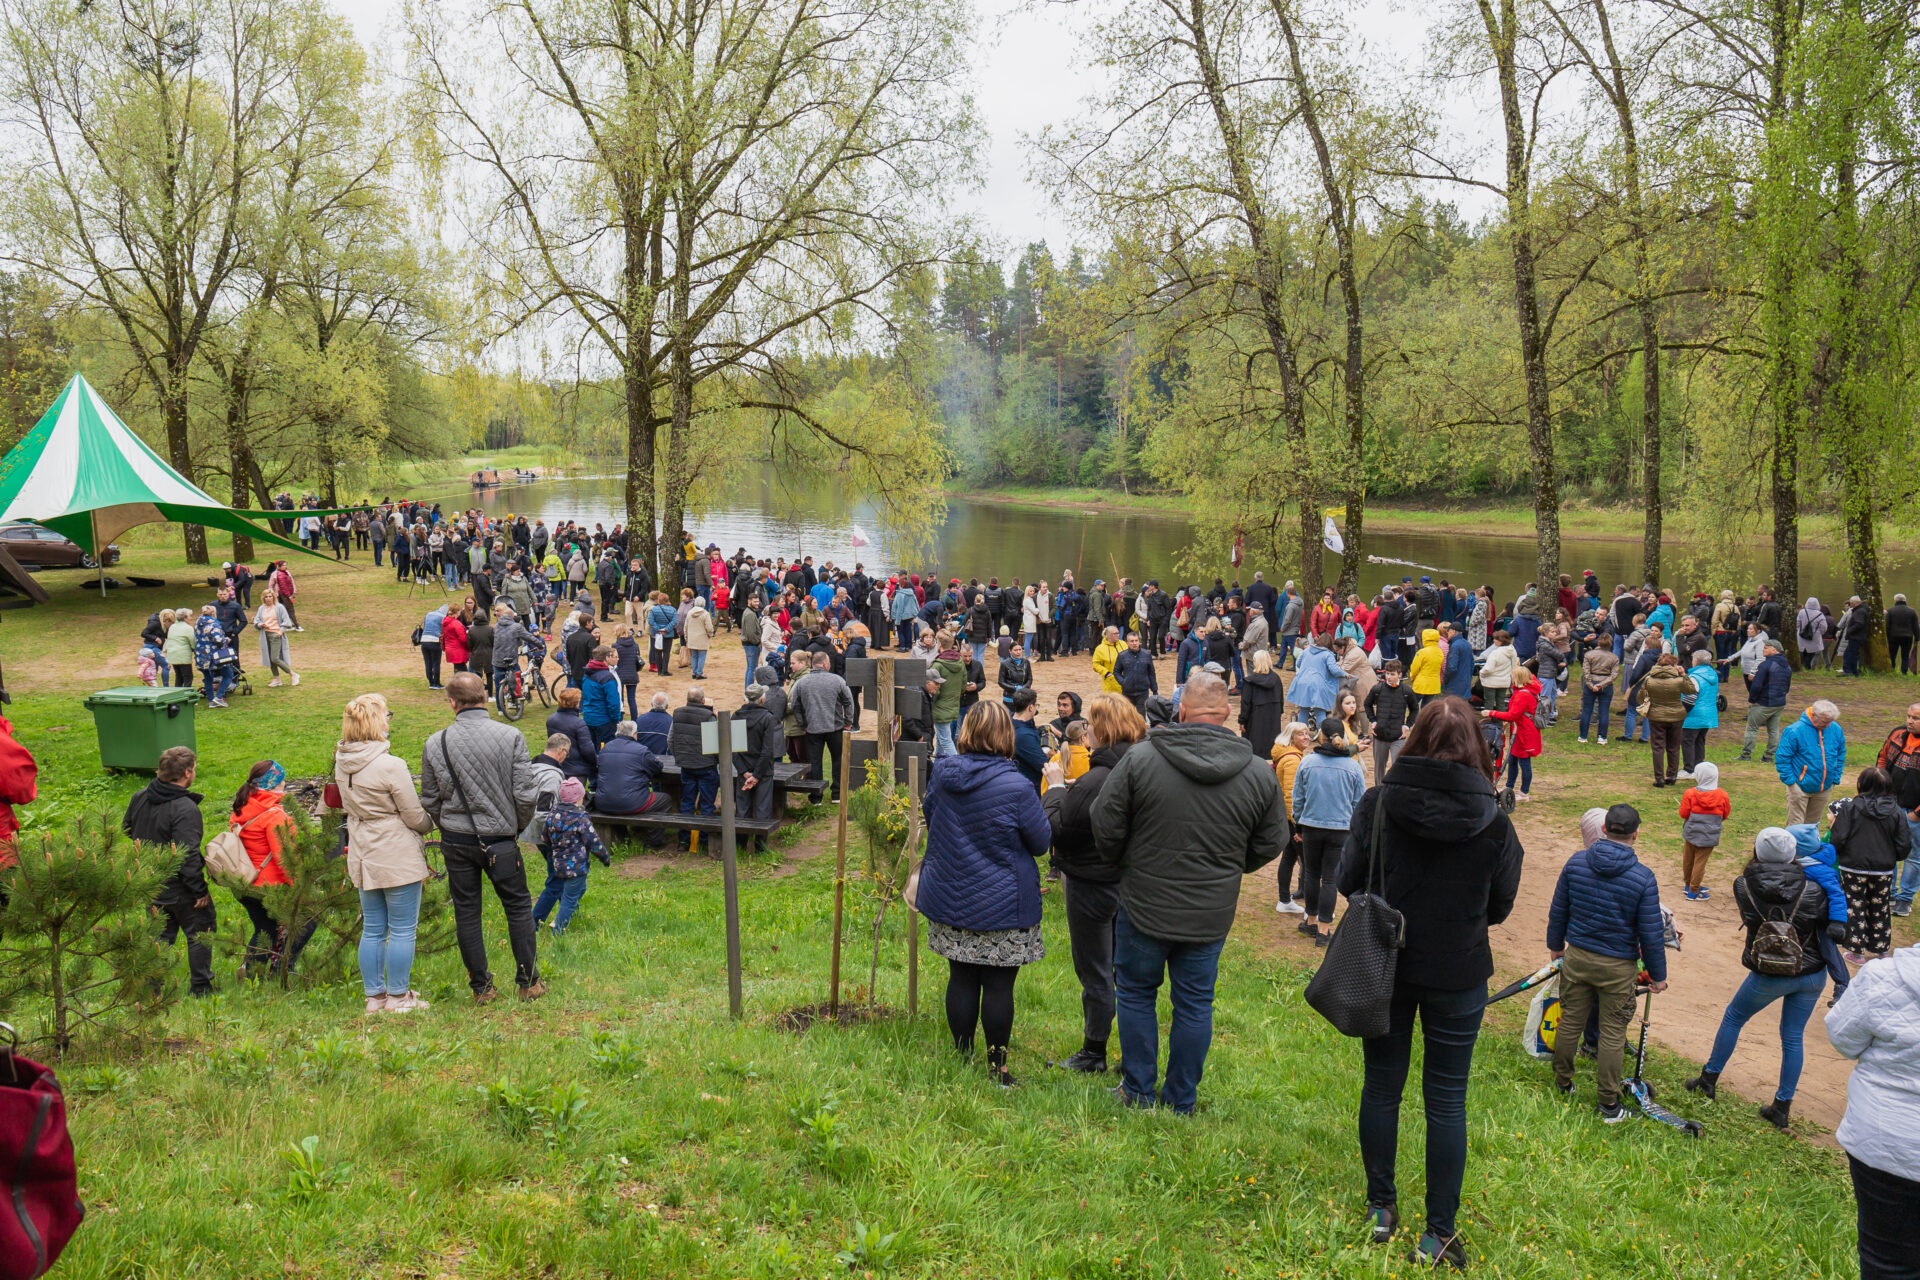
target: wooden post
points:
(840, 872)
(884, 707)
(913, 917)
(729, 862)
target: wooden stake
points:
(840, 873)
(884, 706)
(728, 861)
(913, 917)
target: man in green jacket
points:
(1184, 815)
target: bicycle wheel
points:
(512, 704)
(540, 687)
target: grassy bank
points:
(452, 1143)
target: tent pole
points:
(99, 555)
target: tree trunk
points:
(239, 457)
(1650, 448)
(1784, 374)
(1861, 457)
(329, 464)
(180, 454)
(673, 511)
(1502, 37)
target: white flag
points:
(860, 537)
(1335, 543)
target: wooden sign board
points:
(864, 750)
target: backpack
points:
(227, 856)
(40, 1206)
(1776, 950)
(1806, 629)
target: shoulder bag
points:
(227, 855)
(1353, 989)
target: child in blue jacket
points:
(1818, 857)
(572, 842)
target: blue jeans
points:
(1909, 878)
(699, 657)
(1522, 768)
(1139, 963)
(1592, 703)
(452, 574)
(567, 893)
(389, 918)
(1632, 715)
(378, 548)
(1549, 695)
(1619, 645)
(752, 653)
(701, 785)
(1798, 997)
(1450, 1024)
(979, 651)
(1282, 652)
(943, 744)
(1239, 676)
(218, 680)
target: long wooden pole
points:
(729, 862)
(913, 917)
(840, 874)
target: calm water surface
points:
(983, 538)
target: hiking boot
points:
(1706, 1084)
(1778, 1113)
(1435, 1253)
(997, 1072)
(486, 997)
(1090, 1062)
(535, 991)
(1385, 1220)
(1613, 1113)
(1288, 907)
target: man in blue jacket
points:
(1604, 923)
(1766, 699)
(1456, 678)
(1811, 758)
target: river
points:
(980, 539)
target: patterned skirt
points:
(1869, 911)
(997, 947)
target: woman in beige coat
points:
(385, 852)
(1357, 669)
(699, 635)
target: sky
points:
(1028, 75)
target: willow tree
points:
(693, 194)
(146, 126)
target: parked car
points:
(38, 548)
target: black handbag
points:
(1353, 989)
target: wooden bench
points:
(668, 820)
(787, 776)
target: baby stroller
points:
(241, 685)
(1499, 736)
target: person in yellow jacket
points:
(1428, 665)
(1289, 749)
(1105, 654)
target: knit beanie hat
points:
(573, 791)
(1774, 845)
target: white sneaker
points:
(1583, 742)
(1603, 742)
(408, 1003)
(296, 679)
(1288, 907)
(1685, 775)
(273, 684)
(1522, 797)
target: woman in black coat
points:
(1263, 704)
(1015, 673)
(1450, 864)
(1090, 883)
(582, 759)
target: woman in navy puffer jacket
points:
(979, 884)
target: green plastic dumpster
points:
(137, 723)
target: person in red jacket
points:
(261, 820)
(1325, 618)
(19, 784)
(1526, 734)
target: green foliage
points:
(247, 1061)
(310, 1178)
(553, 1113)
(870, 1249)
(616, 1052)
(106, 1078)
(77, 948)
(327, 1057)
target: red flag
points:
(1239, 548)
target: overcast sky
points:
(1028, 77)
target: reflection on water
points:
(980, 539)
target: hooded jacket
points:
(1262, 710)
(1497, 665)
(1519, 713)
(259, 823)
(1705, 711)
(1133, 669)
(1074, 852)
(1286, 767)
(1449, 861)
(386, 825)
(1184, 816)
(1316, 678)
(1608, 903)
(1772, 891)
(1456, 676)
(600, 694)
(1429, 664)
(985, 827)
(1870, 834)
(1770, 682)
(166, 813)
(1877, 1023)
(1810, 758)
(1664, 689)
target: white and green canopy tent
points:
(84, 474)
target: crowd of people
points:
(1147, 806)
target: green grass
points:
(182, 1134)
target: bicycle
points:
(513, 694)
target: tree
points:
(148, 124)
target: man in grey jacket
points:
(478, 784)
(825, 706)
(1256, 640)
(1184, 815)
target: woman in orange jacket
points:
(260, 818)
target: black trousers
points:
(982, 995)
(1289, 863)
(1889, 1223)
(1900, 654)
(266, 945)
(196, 923)
(1091, 908)
(1693, 748)
(819, 747)
(471, 864)
(1450, 1024)
(1319, 862)
(430, 654)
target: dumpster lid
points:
(140, 695)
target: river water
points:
(980, 539)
